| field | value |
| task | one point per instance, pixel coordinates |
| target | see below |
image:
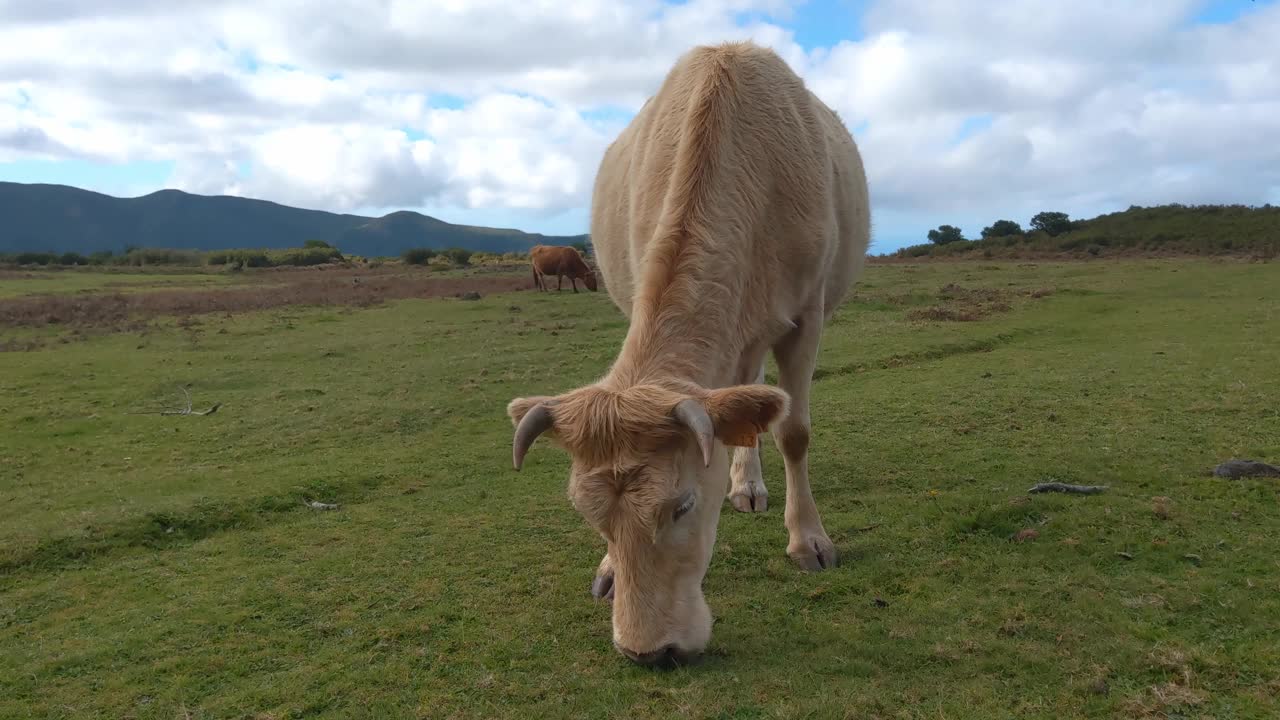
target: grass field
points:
(17, 283)
(157, 566)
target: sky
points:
(497, 113)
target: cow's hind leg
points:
(809, 545)
(747, 492)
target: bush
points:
(305, 256)
(239, 258)
(1002, 228)
(945, 234)
(458, 256)
(274, 258)
(35, 258)
(141, 257)
(1054, 223)
(417, 256)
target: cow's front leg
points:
(602, 586)
(747, 492)
(809, 545)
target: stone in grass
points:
(1235, 468)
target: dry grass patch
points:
(965, 304)
(116, 312)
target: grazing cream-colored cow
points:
(729, 219)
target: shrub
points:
(141, 257)
(305, 256)
(458, 256)
(35, 258)
(417, 256)
(1002, 228)
(1054, 223)
(945, 234)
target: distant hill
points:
(60, 218)
(1173, 229)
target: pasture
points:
(169, 566)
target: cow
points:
(730, 218)
(562, 261)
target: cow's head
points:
(649, 473)
(589, 280)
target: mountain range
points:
(39, 217)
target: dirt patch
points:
(965, 304)
(961, 304)
(121, 311)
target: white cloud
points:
(1093, 105)
(1088, 106)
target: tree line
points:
(1175, 228)
(313, 252)
(461, 257)
(1051, 223)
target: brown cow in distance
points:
(562, 261)
(730, 219)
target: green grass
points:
(162, 567)
(17, 283)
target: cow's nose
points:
(663, 658)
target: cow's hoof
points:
(814, 552)
(750, 499)
(602, 586)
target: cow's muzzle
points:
(662, 658)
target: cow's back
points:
(791, 218)
(546, 258)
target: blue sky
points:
(954, 128)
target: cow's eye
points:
(686, 504)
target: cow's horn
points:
(534, 423)
(693, 415)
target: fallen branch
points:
(868, 528)
(1065, 488)
(317, 505)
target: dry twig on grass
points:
(184, 410)
(1065, 488)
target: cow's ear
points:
(741, 412)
